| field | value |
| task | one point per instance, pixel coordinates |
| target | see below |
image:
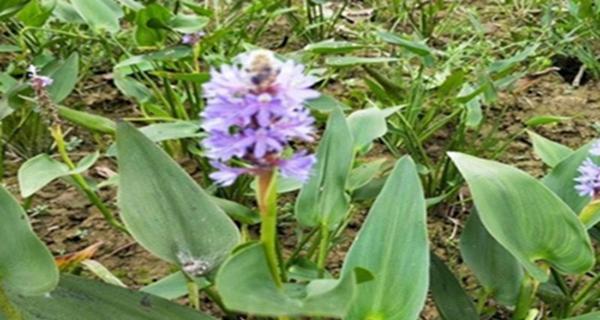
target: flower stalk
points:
(58, 136)
(267, 201)
(323, 249)
(529, 287)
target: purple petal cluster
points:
(588, 182)
(192, 38)
(38, 82)
(595, 150)
(255, 109)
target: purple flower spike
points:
(254, 110)
(588, 183)
(595, 150)
(192, 38)
(38, 82)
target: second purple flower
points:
(255, 110)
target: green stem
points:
(267, 197)
(7, 308)
(82, 183)
(193, 295)
(529, 286)
(323, 249)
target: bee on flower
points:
(255, 110)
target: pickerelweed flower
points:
(255, 110)
(38, 82)
(588, 182)
(192, 38)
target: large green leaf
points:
(495, 268)
(526, 218)
(100, 14)
(323, 199)
(369, 124)
(450, 298)
(26, 265)
(80, 298)
(561, 179)
(165, 210)
(65, 78)
(552, 153)
(246, 284)
(393, 246)
(40, 170)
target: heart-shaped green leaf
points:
(246, 284)
(80, 298)
(495, 268)
(552, 153)
(392, 244)
(450, 298)
(323, 199)
(26, 265)
(165, 210)
(526, 218)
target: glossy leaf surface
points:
(526, 218)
